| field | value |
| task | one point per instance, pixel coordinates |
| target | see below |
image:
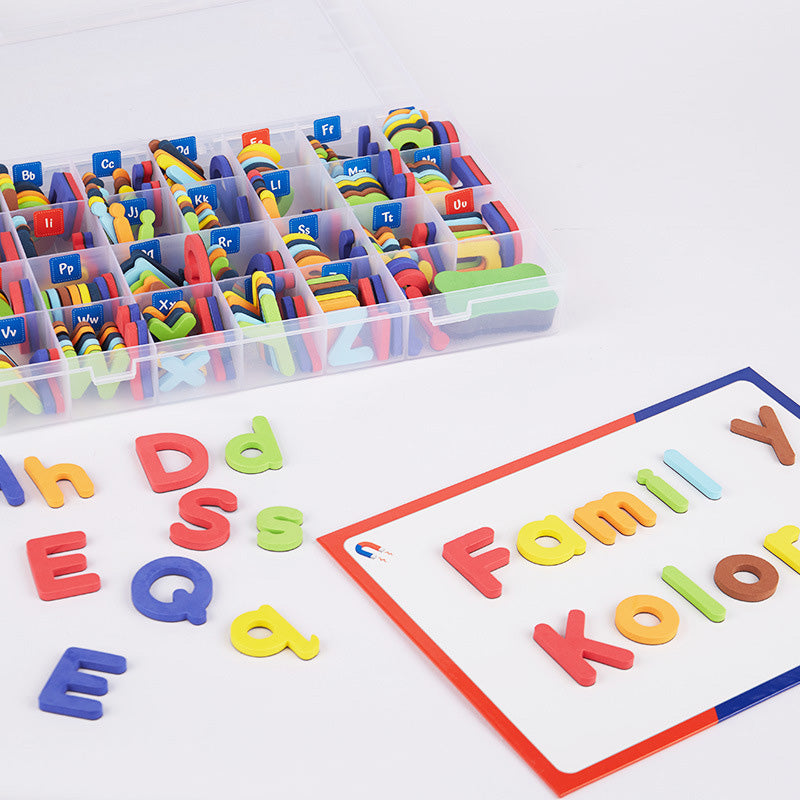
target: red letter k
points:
(571, 650)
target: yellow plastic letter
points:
(282, 635)
(569, 543)
(780, 544)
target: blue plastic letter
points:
(690, 473)
(67, 677)
(184, 605)
(9, 485)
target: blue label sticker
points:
(338, 268)
(227, 238)
(429, 154)
(278, 182)
(163, 301)
(105, 162)
(187, 145)
(31, 171)
(65, 268)
(91, 314)
(386, 215)
(151, 246)
(354, 165)
(308, 225)
(12, 330)
(328, 129)
(133, 208)
(203, 194)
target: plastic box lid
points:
(337, 60)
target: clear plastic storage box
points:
(475, 293)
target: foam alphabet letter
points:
(342, 351)
(477, 569)
(148, 448)
(569, 543)
(781, 544)
(571, 649)
(46, 480)
(215, 528)
(769, 432)
(690, 473)
(184, 605)
(668, 495)
(279, 528)
(631, 628)
(620, 510)
(67, 677)
(9, 485)
(766, 578)
(282, 635)
(261, 439)
(24, 394)
(45, 566)
(690, 591)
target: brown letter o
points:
(764, 587)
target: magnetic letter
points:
(67, 677)
(769, 432)
(569, 543)
(780, 544)
(216, 528)
(764, 587)
(9, 485)
(611, 509)
(46, 480)
(279, 528)
(668, 619)
(571, 649)
(184, 605)
(282, 635)
(45, 565)
(690, 473)
(690, 591)
(261, 439)
(148, 448)
(477, 569)
(662, 490)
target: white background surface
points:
(656, 146)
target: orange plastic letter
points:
(620, 510)
(46, 480)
